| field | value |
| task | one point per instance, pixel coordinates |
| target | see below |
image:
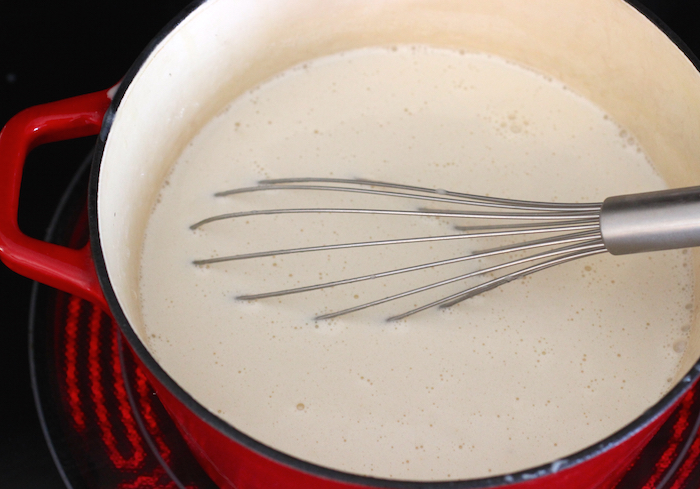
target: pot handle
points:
(67, 269)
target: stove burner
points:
(115, 431)
(106, 427)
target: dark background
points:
(51, 50)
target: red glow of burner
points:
(688, 466)
(670, 453)
(112, 441)
(150, 481)
(71, 354)
(135, 460)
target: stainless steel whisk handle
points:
(651, 221)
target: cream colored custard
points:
(520, 376)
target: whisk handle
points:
(651, 221)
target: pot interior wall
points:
(603, 49)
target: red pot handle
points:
(70, 270)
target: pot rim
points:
(611, 441)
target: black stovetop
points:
(54, 50)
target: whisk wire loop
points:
(594, 249)
(570, 231)
(571, 252)
(571, 238)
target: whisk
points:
(652, 221)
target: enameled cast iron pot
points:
(603, 49)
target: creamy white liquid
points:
(520, 376)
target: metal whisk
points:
(668, 219)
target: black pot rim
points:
(231, 432)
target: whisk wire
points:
(541, 216)
(463, 198)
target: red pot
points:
(604, 49)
